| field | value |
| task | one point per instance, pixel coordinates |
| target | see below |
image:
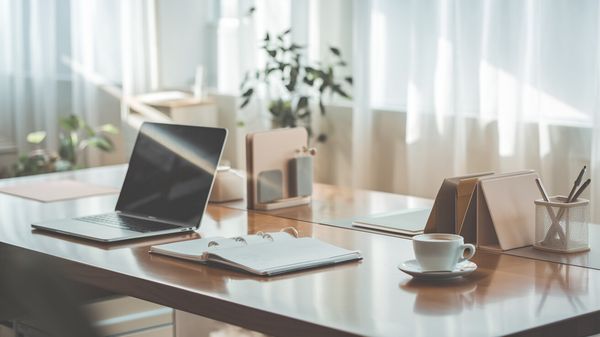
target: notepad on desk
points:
(267, 254)
(408, 222)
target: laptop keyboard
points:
(124, 222)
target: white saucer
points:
(413, 268)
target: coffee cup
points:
(440, 251)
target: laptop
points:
(166, 188)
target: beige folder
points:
(493, 211)
(500, 214)
(506, 212)
(445, 213)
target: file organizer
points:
(495, 210)
(278, 174)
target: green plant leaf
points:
(66, 149)
(272, 52)
(109, 128)
(323, 86)
(337, 89)
(245, 102)
(270, 70)
(248, 92)
(322, 107)
(267, 37)
(349, 80)
(100, 142)
(89, 131)
(245, 80)
(291, 86)
(294, 46)
(36, 137)
(302, 103)
(289, 30)
(335, 51)
(74, 138)
(250, 11)
(70, 123)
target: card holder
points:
(300, 176)
(270, 186)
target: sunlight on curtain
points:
(485, 85)
(240, 33)
(362, 124)
(7, 69)
(29, 76)
(56, 55)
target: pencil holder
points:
(560, 226)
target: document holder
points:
(445, 212)
(272, 182)
(498, 214)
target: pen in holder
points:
(561, 226)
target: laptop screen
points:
(171, 172)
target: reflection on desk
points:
(506, 294)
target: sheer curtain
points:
(29, 76)
(486, 85)
(61, 57)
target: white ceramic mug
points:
(440, 251)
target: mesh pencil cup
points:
(560, 226)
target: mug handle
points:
(470, 249)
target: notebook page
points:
(282, 256)
(190, 249)
(194, 249)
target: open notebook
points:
(260, 254)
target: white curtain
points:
(29, 77)
(61, 57)
(486, 85)
(362, 118)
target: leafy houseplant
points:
(294, 82)
(75, 136)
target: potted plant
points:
(294, 83)
(75, 136)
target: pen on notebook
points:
(581, 189)
(576, 183)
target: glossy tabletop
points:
(505, 295)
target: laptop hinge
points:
(151, 218)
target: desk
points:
(506, 295)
